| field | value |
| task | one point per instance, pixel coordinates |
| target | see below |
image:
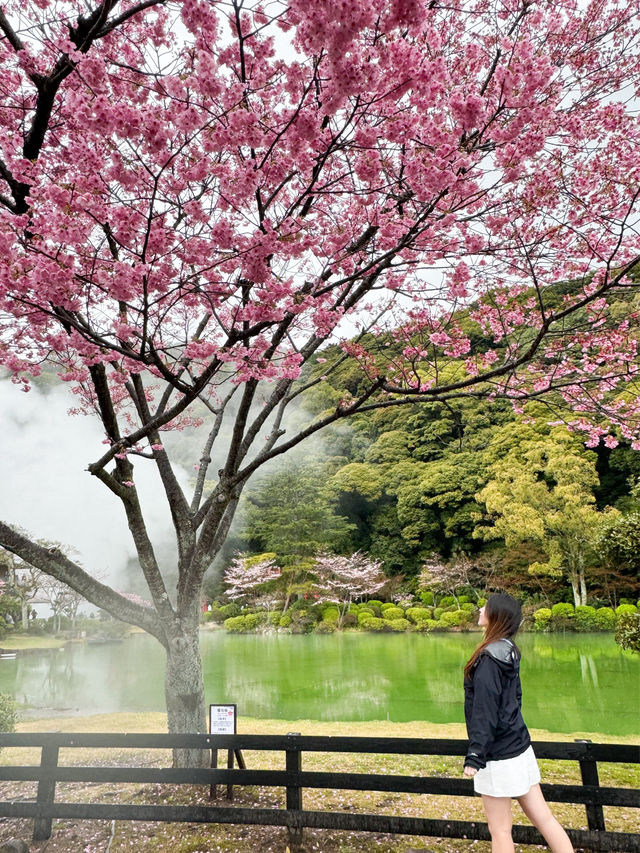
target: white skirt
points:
(508, 777)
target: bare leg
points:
(535, 807)
(498, 812)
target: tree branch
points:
(53, 562)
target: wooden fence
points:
(294, 779)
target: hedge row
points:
(563, 617)
(374, 616)
(377, 617)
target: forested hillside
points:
(535, 503)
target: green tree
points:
(627, 633)
(617, 545)
(541, 490)
(292, 513)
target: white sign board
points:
(222, 719)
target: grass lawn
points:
(29, 641)
(121, 836)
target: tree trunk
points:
(573, 577)
(583, 587)
(25, 616)
(287, 599)
(184, 693)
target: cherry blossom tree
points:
(245, 575)
(342, 580)
(197, 198)
(63, 600)
(447, 577)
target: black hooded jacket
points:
(492, 700)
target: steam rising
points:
(46, 489)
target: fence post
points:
(213, 788)
(294, 792)
(46, 790)
(589, 773)
(229, 767)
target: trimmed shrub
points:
(229, 610)
(274, 618)
(364, 608)
(464, 599)
(426, 597)
(331, 615)
(386, 606)
(325, 627)
(562, 610)
(216, 614)
(285, 620)
(625, 610)
(468, 606)
(399, 624)
(437, 613)
(374, 623)
(242, 624)
(454, 618)
(585, 618)
(605, 619)
(447, 601)
(375, 606)
(542, 619)
(392, 612)
(627, 632)
(427, 626)
(481, 602)
(252, 620)
(364, 617)
(234, 624)
(562, 616)
(349, 620)
(417, 614)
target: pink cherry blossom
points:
(197, 226)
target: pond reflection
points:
(571, 683)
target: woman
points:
(500, 757)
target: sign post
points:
(223, 721)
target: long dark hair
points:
(504, 616)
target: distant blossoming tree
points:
(448, 577)
(63, 600)
(197, 198)
(246, 575)
(343, 580)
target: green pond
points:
(570, 682)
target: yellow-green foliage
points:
(399, 624)
(374, 623)
(391, 613)
(542, 619)
(418, 614)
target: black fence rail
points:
(295, 780)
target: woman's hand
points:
(470, 771)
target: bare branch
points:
(53, 562)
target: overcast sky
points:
(45, 487)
